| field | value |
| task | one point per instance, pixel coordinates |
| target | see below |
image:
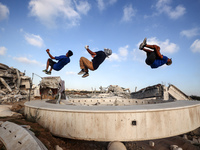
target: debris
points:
(175, 147)
(14, 86)
(151, 143)
(19, 138)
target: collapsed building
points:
(160, 92)
(52, 88)
(116, 90)
(14, 85)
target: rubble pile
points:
(14, 85)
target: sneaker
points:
(48, 72)
(81, 72)
(143, 44)
(45, 71)
(85, 75)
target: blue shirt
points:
(62, 61)
(159, 62)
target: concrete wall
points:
(117, 123)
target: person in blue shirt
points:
(62, 61)
(154, 58)
(98, 58)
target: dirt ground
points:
(51, 141)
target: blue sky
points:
(28, 28)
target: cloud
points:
(49, 11)
(163, 6)
(71, 73)
(195, 47)
(4, 12)
(122, 54)
(26, 60)
(191, 32)
(129, 12)
(83, 7)
(102, 4)
(34, 40)
(3, 50)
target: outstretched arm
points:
(50, 54)
(93, 54)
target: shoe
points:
(143, 44)
(81, 72)
(45, 71)
(48, 72)
(145, 41)
(85, 75)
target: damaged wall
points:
(14, 85)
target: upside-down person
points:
(154, 58)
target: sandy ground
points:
(51, 141)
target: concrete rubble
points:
(161, 92)
(14, 85)
(52, 88)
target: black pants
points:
(151, 57)
(51, 62)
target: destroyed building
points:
(160, 92)
(14, 85)
(50, 87)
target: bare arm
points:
(93, 54)
(50, 54)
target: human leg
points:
(86, 64)
(154, 47)
(50, 63)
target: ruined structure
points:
(14, 85)
(116, 91)
(51, 87)
(160, 92)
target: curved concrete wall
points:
(117, 123)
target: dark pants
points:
(51, 62)
(151, 57)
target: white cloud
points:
(113, 57)
(34, 40)
(26, 60)
(129, 12)
(3, 50)
(4, 12)
(163, 6)
(71, 73)
(195, 47)
(102, 4)
(83, 7)
(191, 32)
(122, 55)
(49, 11)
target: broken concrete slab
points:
(16, 137)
